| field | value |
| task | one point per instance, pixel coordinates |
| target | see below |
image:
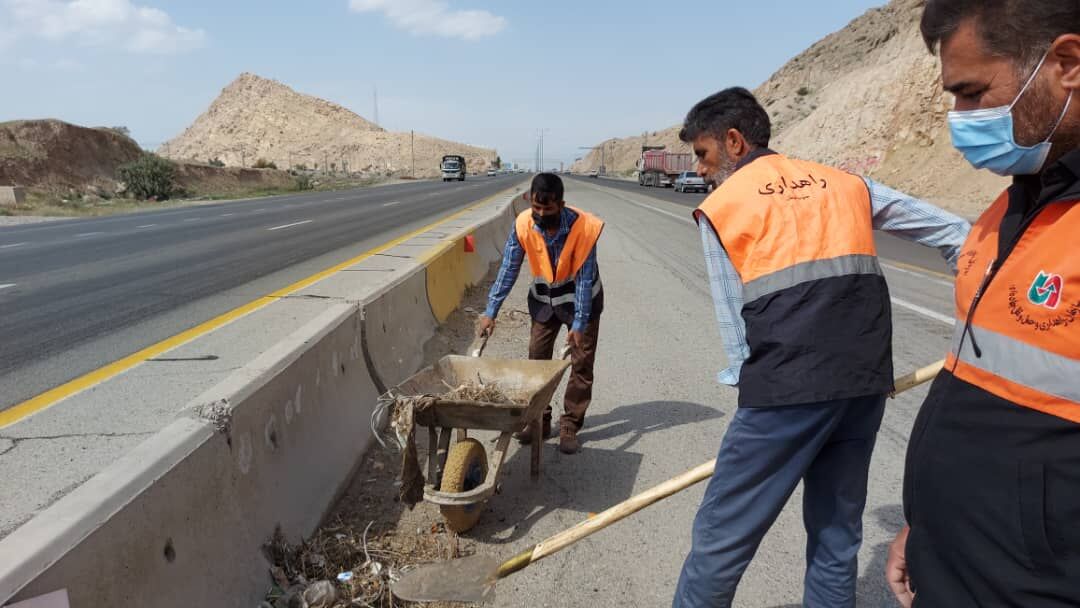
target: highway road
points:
(79, 294)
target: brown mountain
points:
(259, 118)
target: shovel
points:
(472, 579)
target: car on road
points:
(594, 173)
(492, 173)
(690, 181)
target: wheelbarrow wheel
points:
(466, 468)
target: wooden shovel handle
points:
(917, 377)
(638, 502)
(632, 505)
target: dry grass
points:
(485, 392)
(364, 536)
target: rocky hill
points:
(59, 159)
(259, 118)
(868, 99)
(53, 155)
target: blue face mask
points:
(986, 139)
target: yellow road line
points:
(53, 396)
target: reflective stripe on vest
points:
(810, 271)
(1021, 364)
(1027, 323)
(542, 291)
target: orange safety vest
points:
(579, 244)
(1018, 319)
(553, 289)
(816, 306)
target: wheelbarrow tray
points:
(530, 384)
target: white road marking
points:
(683, 218)
(227, 214)
(6, 285)
(916, 273)
(12, 246)
(391, 204)
(290, 225)
(86, 234)
(261, 209)
(926, 312)
(145, 226)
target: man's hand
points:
(896, 572)
(576, 340)
(485, 326)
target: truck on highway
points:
(658, 167)
(453, 167)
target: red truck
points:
(658, 167)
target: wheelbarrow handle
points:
(477, 347)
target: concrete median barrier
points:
(181, 519)
(397, 322)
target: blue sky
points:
(477, 71)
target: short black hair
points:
(734, 108)
(547, 188)
(1021, 30)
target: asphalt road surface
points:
(73, 291)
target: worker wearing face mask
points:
(560, 244)
(993, 467)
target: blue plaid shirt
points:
(514, 255)
(894, 212)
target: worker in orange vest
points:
(806, 324)
(560, 245)
(992, 478)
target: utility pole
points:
(540, 149)
(412, 151)
(375, 96)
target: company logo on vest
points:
(1046, 290)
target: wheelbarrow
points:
(461, 477)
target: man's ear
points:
(1067, 51)
(734, 143)
(528, 197)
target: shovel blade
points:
(469, 579)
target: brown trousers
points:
(579, 387)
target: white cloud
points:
(120, 23)
(433, 17)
